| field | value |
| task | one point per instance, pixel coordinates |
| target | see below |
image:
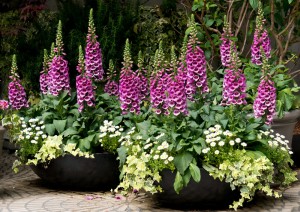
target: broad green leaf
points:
(47, 115)
(122, 153)
(60, 125)
(76, 124)
(198, 149)
(178, 183)
(251, 127)
(209, 22)
(50, 129)
(117, 120)
(144, 126)
(253, 3)
(182, 161)
(70, 131)
(251, 136)
(195, 171)
(186, 177)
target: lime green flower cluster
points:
(144, 162)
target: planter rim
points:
(289, 116)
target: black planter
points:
(285, 126)
(207, 194)
(296, 150)
(78, 173)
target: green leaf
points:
(70, 131)
(251, 136)
(178, 183)
(290, 1)
(197, 149)
(209, 22)
(60, 125)
(182, 161)
(253, 3)
(251, 127)
(186, 177)
(122, 153)
(117, 120)
(206, 109)
(76, 124)
(50, 129)
(195, 171)
(144, 126)
(47, 115)
(75, 112)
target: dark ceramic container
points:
(79, 173)
(207, 194)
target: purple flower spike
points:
(111, 87)
(234, 88)
(227, 45)
(129, 89)
(159, 84)
(196, 66)
(84, 85)
(143, 81)
(44, 77)
(265, 102)
(261, 40)
(16, 92)
(59, 76)
(93, 55)
(58, 71)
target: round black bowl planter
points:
(209, 193)
(80, 173)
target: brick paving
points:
(26, 192)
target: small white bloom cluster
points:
(32, 131)
(275, 140)
(215, 137)
(109, 130)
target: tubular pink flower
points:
(261, 40)
(16, 92)
(93, 55)
(44, 77)
(58, 71)
(4, 105)
(234, 88)
(196, 72)
(59, 76)
(177, 100)
(85, 92)
(159, 84)
(129, 89)
(227, 45)
(265, 101)
(112, 88)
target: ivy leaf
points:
(182, 161)
(178, 183)
(60, 125)
(195, 171)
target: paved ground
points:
(26, 192)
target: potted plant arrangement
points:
(201, 125)
(173, 123)
(58, 136)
